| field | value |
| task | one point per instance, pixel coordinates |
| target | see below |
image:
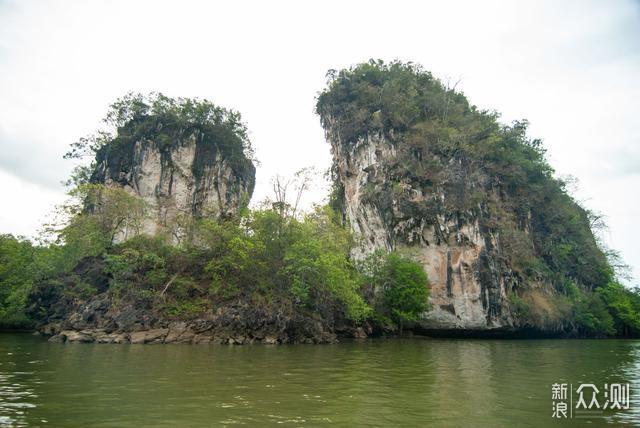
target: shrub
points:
(401, 283)
(624, 306)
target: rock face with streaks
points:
(190, 178)
(419, 170)
(468, 288)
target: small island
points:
(441, 221)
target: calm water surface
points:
(394, 382)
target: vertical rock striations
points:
(182, 171)
(419, 170)
(468, 290)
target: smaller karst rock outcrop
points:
(184, 159)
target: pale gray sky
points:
(572, 68)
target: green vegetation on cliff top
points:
(165, 121)
(487, 171)
(472, 168)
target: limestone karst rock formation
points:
(418, 169)
(467, 290)
(182, 172)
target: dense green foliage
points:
(263, 259)
(166, 121)
(488, 171)
(81, 234)
(22, 266)
(611, 310)
(303, 263)
(267, 258)
(17, 262)
(398, 285)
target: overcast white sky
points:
(572, 68)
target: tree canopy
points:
(166, 121)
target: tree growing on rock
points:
(399, 286)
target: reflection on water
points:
(17, 394)
(366, 383)
(629, 372)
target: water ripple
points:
(359, 383)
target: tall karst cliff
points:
(418, 169)
(186, 160)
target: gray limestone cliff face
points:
(468, 284)
(189, 178)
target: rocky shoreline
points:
(178, 332)
(100, 320)
(230, 327)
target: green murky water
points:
(394, 382)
